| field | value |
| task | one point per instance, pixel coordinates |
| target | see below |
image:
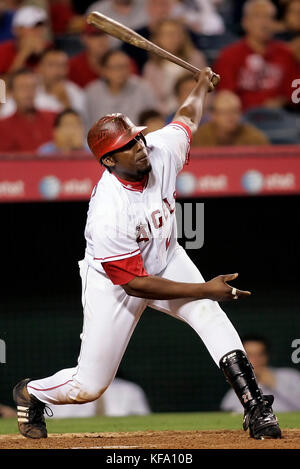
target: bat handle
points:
(215, 79)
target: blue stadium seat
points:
(212, 45)
(280, 126)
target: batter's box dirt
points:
(153, 440)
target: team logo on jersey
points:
(158, 219)
(143, 232)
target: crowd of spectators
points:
(61, 72)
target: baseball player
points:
(133, 260)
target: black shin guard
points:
(239, 373)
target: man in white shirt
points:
(118, 90)
(201, 16)
(133, 260)
(131, 13)
(55, 92)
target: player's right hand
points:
(218, 289)
(208, 78)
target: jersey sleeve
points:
(176, 139)
(122, 271)
(116, 248)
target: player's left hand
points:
(218, 289)
(234, 291)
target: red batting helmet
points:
(110, 133)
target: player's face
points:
(131, 160)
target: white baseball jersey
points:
(131, 226)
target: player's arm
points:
(158, 288)
(190, 112)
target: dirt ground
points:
(153, 440)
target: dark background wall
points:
(41, 318)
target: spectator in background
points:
(200, 16)
(283, 383)
(61, 13)
(237, 13)
(7, 412)
(30, 30)
(291, 33)
(44, 4)
(63, 17)
(131, 13)
(56, 92)
(182, 88)
(118, 91)
(226, 126)
(257, 68)
(68, 135)
(121, 398)
(151, 119)
(28, 128)
(291, 20)
(6, 17)
(294, 46)
(13, 4)
(161, 74)
(157, 10)
(85, 66)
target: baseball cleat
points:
(30, 411)
(261, 421)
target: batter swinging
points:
(132, 261)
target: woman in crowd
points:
(171, 35)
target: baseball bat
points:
(118, 30)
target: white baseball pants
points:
(110, 317)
